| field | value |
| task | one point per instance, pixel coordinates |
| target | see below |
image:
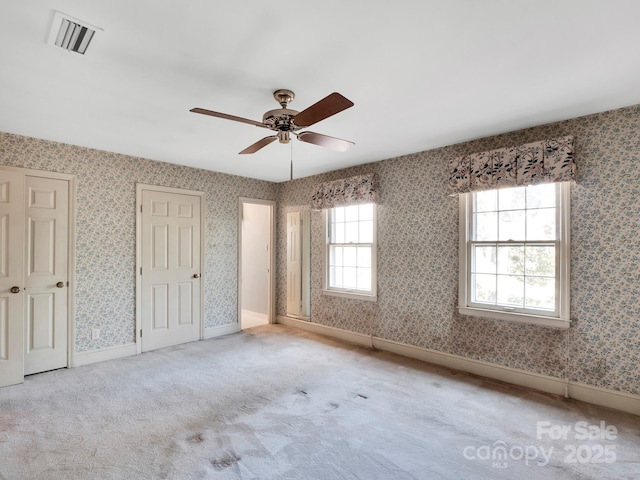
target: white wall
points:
(255, 258)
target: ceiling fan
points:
(285, 121)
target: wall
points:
(255, 257)
(106, 237)
(418, 259)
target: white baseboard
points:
(86, 358)
(347, 336)
(587, 393)
(221, 330)
(111, 353)
(249, 318)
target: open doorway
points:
(256, 262)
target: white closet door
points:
(46, 275)
(170, 254)
(11, 278)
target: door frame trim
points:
(272, 256)
(71, 249)
(140, 187)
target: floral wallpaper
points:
(418, 258)
(106, 236)
(417, 250)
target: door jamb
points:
(272, 257)
(140, 187)
(71, 248)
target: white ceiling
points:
(422, 74)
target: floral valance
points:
(348, 191)
(545, 161)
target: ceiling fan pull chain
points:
(291, 176)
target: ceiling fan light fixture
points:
(284, 137)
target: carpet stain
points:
(362, 396)
(225, 462)
(196, 438)
(302, 391)
(334, 404)
(7, 423)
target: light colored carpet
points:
(278, 403)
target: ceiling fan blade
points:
(259, 144)
(329, 105)
(325, 141)
(227, 117)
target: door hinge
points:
(140, 208)
(140, 333)
(140, 270)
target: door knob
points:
(15, 289)
(60, 284)
(196, 275)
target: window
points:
(514, 254)
(350, 259)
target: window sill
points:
(541, 320)
(353, 295)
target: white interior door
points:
(11, 278)
(294, 264)
(34, 269)
(170, 275)
(46, 274)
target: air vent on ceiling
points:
(70, 33)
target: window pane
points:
(351, 232)
(337, 233)
(486, 226)
(511, 225)
(349, 257)
(483, 288)
(541, 224)
(364, 257)
(541, 293)
(351, 213)
(351, 248)
(513, 246)
(366, 232)
(366, 211)
(540, 260)
(484, 259)
(539, 196)
(511, 198)
(364, 279)
(486, 201)
(349, 276)
(511, 290)
(511, 259)
(335, 255)
(335, 276)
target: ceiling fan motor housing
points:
(280, 120)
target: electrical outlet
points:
(95, 334)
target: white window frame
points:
(561, 319)
(344, 292)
